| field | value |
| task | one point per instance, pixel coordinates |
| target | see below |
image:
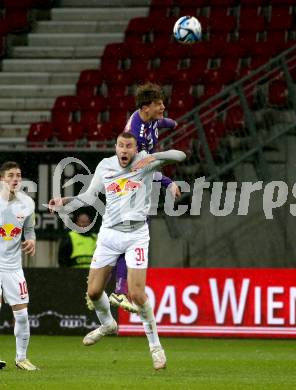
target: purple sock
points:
(121, 276)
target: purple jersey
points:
(147, 135)
(147, 132)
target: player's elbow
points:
(180, 156)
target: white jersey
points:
(128, 193)
(16, 218)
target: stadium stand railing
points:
(239, 123)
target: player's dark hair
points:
(6, 166)
(148, 93)
(127, 135)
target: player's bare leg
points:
(136, 285)
(96, 283)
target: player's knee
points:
(138, 296)
(94, 293)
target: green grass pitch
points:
(125, 363)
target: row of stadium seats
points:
(76, 119)
(192, 73)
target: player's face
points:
(126, 149)
(155, 110)
(12, 178)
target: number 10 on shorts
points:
(23, 289)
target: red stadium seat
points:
(235, 49)
(65, 109)
(264, 49)
(91, 109)
(257, 61)
(197, 69)
(116, 91)
(214, 76)
(118, 119)
(119, 77)
(138, 29)
(17, 20)
(93, 103)
(69, 132)
(160, 8)
(138, 68)
(146, 51)
(278, 93)
(126, 103)
(218, 45)
(163, 25)
(248, 40)
(222, 22)
(187, 77)
(277, 39)
(181, 88)
(184, 144)
(175, 50)
(210, 90)
(180, 105)
(235, 119)
(201, 50)
(71, 103)
(100, 132)
(89, 82)
(158, 76)
(39, 133)
(280, 22)
(116, 50)
(255, 23)
(250, 20)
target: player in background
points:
(16, 219)
(144, 124)
(126, 178)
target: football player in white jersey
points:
(126, 179)
(16, 220)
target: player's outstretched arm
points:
(87, 198)
(155, 160)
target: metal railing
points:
(237, 124)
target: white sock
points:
(147, 316)
(22, 333)
(102, 307)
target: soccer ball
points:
(187, 30)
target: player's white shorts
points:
(14, 287)
(112, 243)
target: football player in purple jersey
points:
(144, 124)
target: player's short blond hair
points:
(126, 134)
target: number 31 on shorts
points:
(140, 255)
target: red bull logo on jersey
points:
(122, 186)
(9, 231)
